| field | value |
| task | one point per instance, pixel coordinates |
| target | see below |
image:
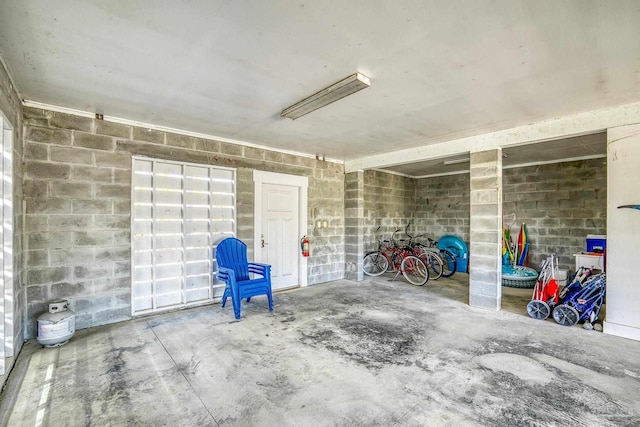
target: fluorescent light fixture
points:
(455, 162)
(326, 96)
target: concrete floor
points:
(340, 354)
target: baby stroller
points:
(546, 290)
(581, 302)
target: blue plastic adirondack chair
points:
(234, 270)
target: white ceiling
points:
(439, 69)
(579, 147)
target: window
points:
(179, 212)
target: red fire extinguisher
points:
(304, 246)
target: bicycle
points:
(432, 259)
(403, 261)
(449, 262)
(375, 262)
(449, 259)
(400, 259)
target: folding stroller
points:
(581, 302)
(546, 291)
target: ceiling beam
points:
(563, 127)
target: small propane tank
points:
(56, 327)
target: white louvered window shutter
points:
(179, 212)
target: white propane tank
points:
(56, 327)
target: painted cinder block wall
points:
(11, 106)
(77, 189)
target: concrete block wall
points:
(434, 206)
(77, 223)
(560, 203)
(389, 202)
(77, 189)
(245, 208)
(485, 199)
(326, 203)
(354, 224)
(442, 206)
(11, 107)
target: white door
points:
(280, 221)
(279, 242)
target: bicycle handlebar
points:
(406, 231)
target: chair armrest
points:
(262, 269)
(227, 275)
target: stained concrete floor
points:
(340, 354)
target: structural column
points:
(354, 224)
(623, 232)
(485, 261)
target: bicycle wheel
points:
(434, 264)
(374, 264)
(414, 270)
(449, 263)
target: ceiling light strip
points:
(328, 95)
(550, 162)
(435, 175)
(456, 161)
